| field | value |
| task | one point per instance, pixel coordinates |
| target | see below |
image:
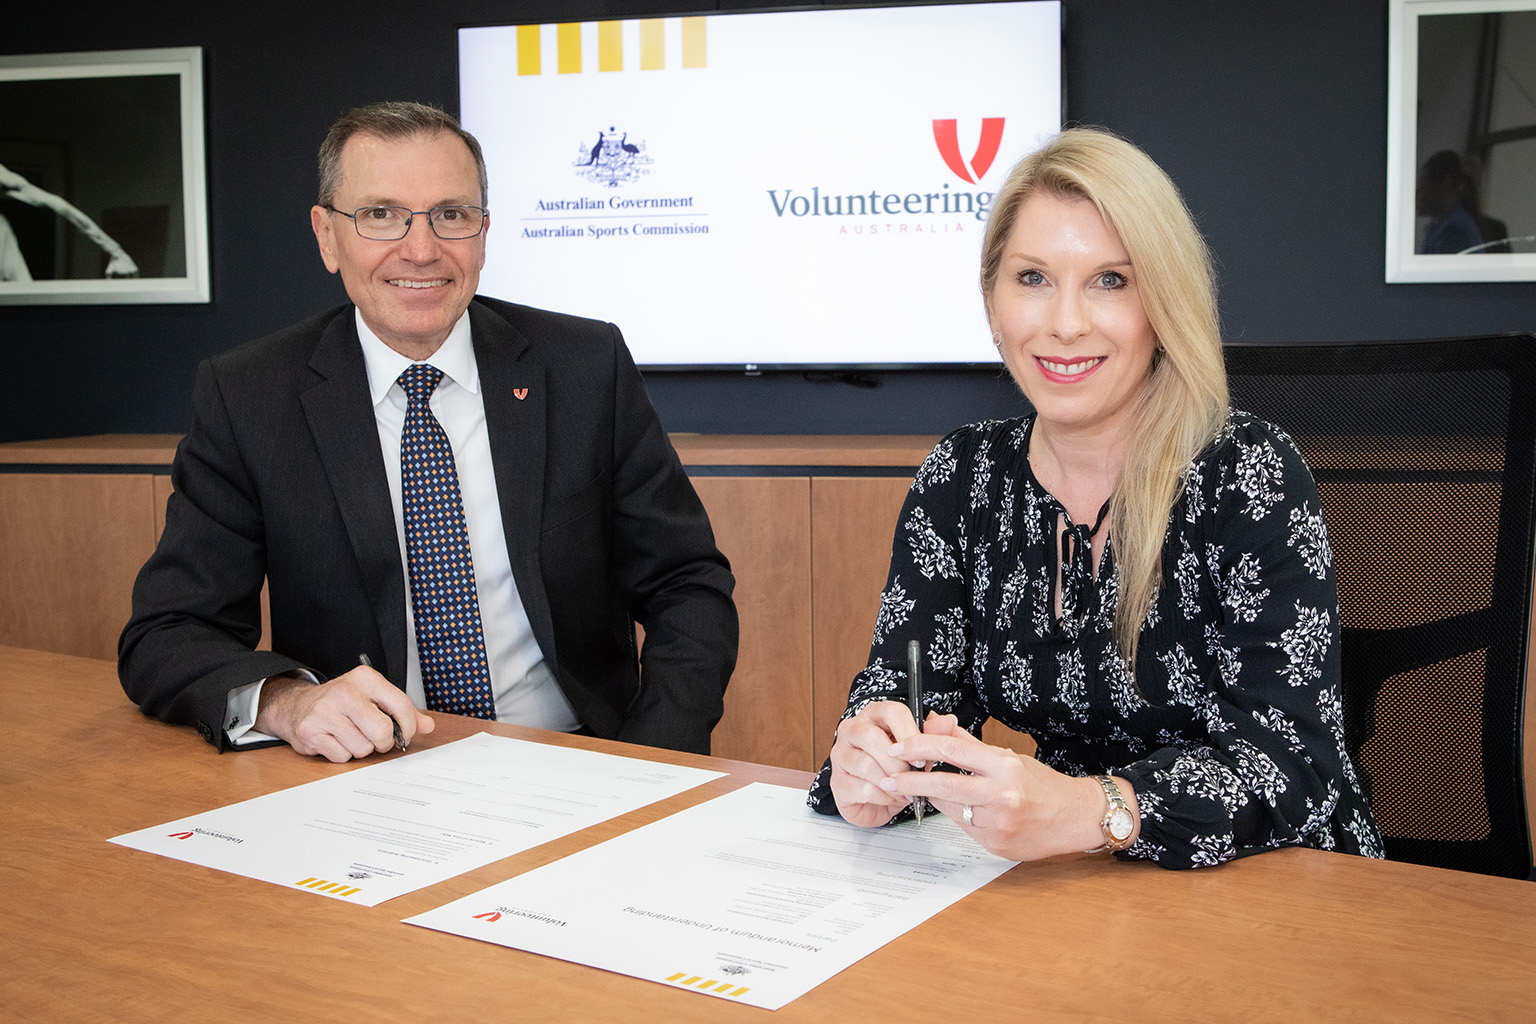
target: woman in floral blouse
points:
(1133, 520)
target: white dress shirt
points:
(524, 688)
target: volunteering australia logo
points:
(946, 137)
(908, 202)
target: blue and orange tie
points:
(449, 640)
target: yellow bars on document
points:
(719, 988)
(334, 888)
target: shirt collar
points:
(455, 357)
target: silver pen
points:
(362, 659)
(915, 700)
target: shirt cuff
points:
(240, 711)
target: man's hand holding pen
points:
(353, 715)
(362, 659)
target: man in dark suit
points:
(302, 469)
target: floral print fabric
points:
(1231, 727)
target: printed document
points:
(371, 834)
(750, 897)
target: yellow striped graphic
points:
(721, 988)
(610, 46)
(335, 888)
(693, 53)
(568, 46)
(653, 51)
(693, 43)
(528, 55)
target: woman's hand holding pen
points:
(861, 761)
(1020, 808)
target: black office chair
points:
(1425, 457)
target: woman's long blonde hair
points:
(1184, 402)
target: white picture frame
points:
(115, 139)
(1450, 92)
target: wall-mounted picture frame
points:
(1461, 141)
(103, 193)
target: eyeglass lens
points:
(387, 223)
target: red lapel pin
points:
(521, 393)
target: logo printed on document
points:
(946, 137)
(334, 888)
(489, 917)
(720, 988)
(180, 835)
(613, 160)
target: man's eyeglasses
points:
(391, 223)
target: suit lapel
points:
(513, 389)
(346, 434)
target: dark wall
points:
(1271, 117)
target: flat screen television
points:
(753, 191)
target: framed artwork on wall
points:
(103, 195)
(1461, 140)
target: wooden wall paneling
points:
(762, 524)
(901, 451)
(852, 522)
(999, 735)
(69, 551)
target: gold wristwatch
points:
(1118, 823)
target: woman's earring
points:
(997, 339)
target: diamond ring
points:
(965, 813)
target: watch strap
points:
(1117, 806)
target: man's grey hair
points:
(393, 119)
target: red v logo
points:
(986, 148)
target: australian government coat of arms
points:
(613, 160)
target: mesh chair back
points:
(1425, 457)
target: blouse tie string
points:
(1077, 567)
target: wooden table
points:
(93, 931)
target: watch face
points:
(1120, 824)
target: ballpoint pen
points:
(362, 659)
(915, 699)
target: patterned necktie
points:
(449, 642)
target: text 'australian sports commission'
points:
(615, 203)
